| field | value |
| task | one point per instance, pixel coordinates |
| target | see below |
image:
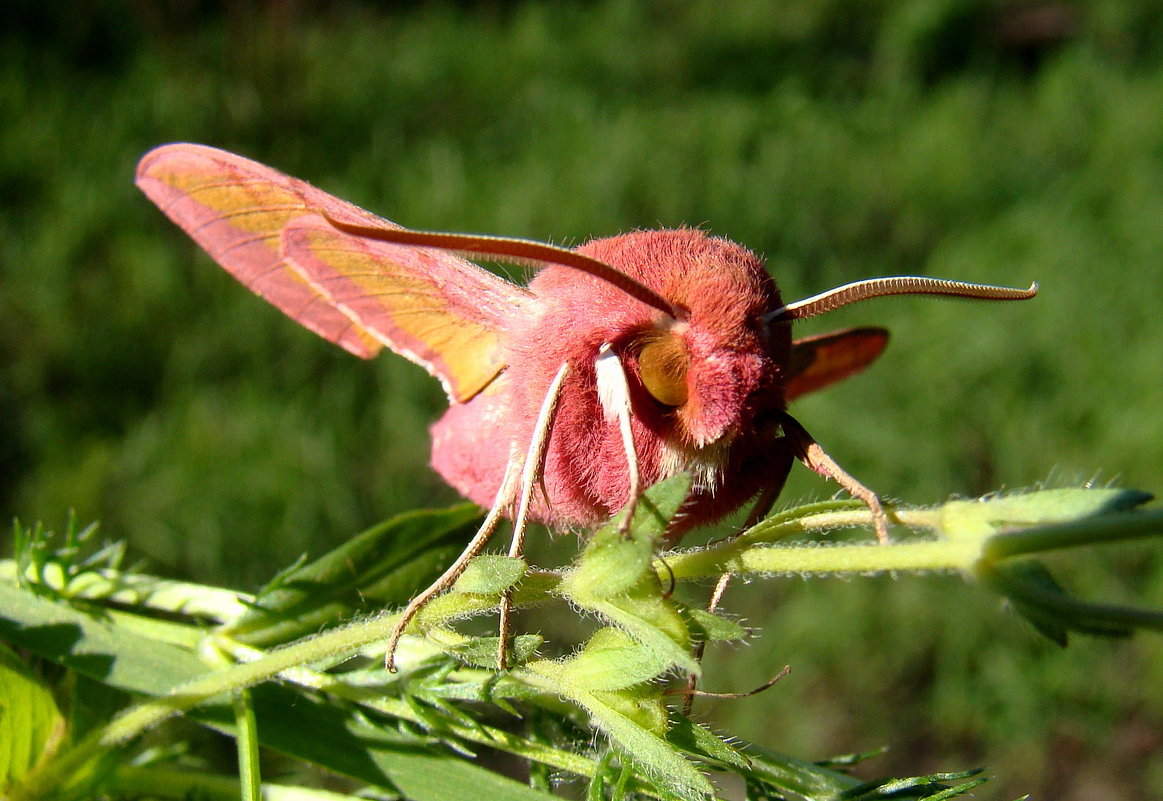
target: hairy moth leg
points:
(614, 395)
(815, 459)
(758, 511)
(532, 474)
(505, 496)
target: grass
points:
(141, 386)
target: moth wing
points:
(435, 308)
(824, 359)
(271, 232)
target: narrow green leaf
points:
(161, 782)
(596, 787)
(1055, 608)
(1042, 507)
(932, 787)
(132, 781)
(384, 565)
(1036, 574)
(695, 738)
(791, 775)
(247, 743)
(328, 735)
(707, 626)
(31, 726)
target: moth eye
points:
(662, 364)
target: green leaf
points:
(656, 506)
(609, 566)
(94, 647)
(1036, 574)
(932, 787)
(31, 726)
(490, 574)
(791, 775)
(631, 720)
(328, 735)
(615, 578)
(482, 651)
(709, 627)
(296, 724)
(613, 561)
(656, 625)
(611, 660)
(384, 565)
(972, 518)
(695, 738)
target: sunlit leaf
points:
(31, 725)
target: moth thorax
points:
(663, 361)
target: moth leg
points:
(614, 395)
(532, 475)
(692, 681)
(505, 497)
(758, 511)
(813, 457)
(780, 471)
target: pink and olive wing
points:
(824, 359)
(435, 308)
(271, 232)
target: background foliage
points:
(976, 140)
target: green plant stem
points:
(137, 719)
(247, 739)
(333, 644)
(752, 553)
(287, 662)
(396, 708)
(823, 559)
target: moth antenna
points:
(894, 285)
(526, 252)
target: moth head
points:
(703, 367)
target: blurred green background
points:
(985, 141)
